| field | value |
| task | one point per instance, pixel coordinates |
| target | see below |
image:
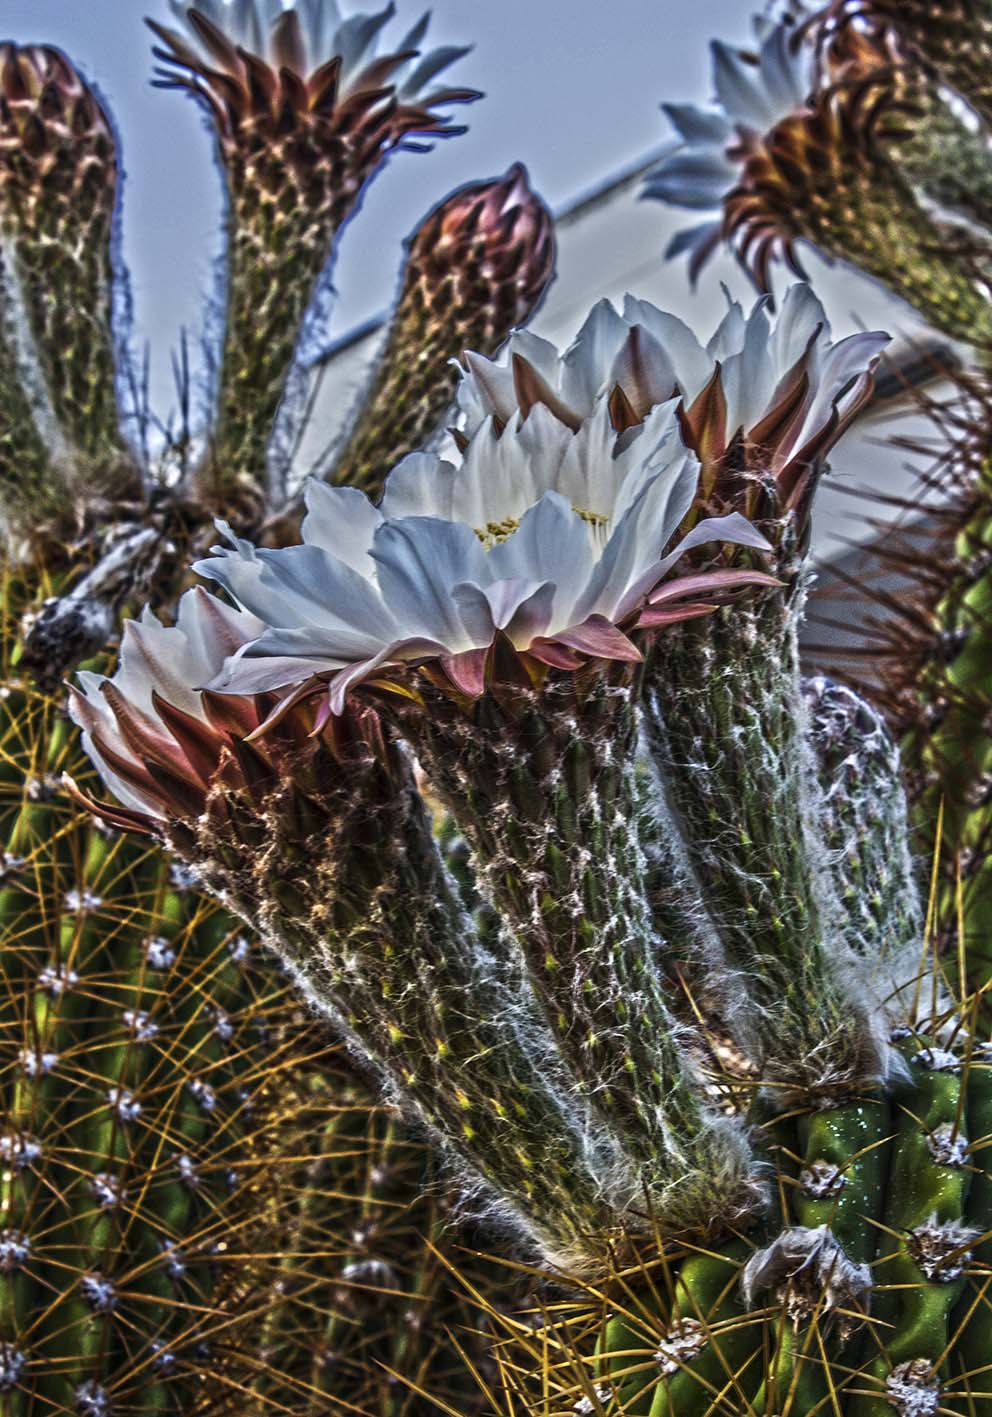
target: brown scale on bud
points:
(299, 132)
(951, 37)
(476, 267)
(822, 174)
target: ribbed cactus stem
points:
(343, 874)
(544, 785)
(924, 1242)
(843, 1161)
(476, 267)
(972, 1362)
(864, 820)
(58, 194)
(724, 713)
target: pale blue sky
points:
(572, 89)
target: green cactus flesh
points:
(898, 1180)
(201, 1207)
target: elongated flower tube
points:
(730, 742)
(29, 485)
(59, 181)
(322, 842)
(476, 267)
(305, 112)
(781, 160)
(498, 606)
(762, 404)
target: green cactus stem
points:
(140, 1043)
(970, 1361)
(924, 1243)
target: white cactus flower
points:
(158, 665)
(783, 382)
(554, 538)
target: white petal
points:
(524, 606)
(241, 577)
(785, 71)
(739, 88)
(640, 537)
(552, 544)
(420, 560)
(693, 366)
(728, 338)
(419, 486)
(586, 363)
(749, 378)
(695, 178)
(340, 520)
(797, 321)
(698, 125)
(213, 629)
(490, 386)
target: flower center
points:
(494, 532)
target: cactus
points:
(927, 660)
(795, 1229)
(204, 1208)
(580, 640)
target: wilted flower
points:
(805, 145)
(553, 539)
(263, 59)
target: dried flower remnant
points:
(306, 110)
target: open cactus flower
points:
(556, 537)
(776, 392)
(533, 539)
(562, 529)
